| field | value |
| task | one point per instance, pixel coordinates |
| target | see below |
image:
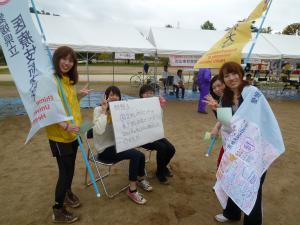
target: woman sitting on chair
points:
(165, 150)
(104, 142)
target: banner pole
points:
(68, 107)
(257, 34)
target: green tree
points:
(169, 26)
(208, 26)
(292, 29)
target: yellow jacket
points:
(55, 132)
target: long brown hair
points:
(231, 67)
(61, 53)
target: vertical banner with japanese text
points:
(230, 46)
(30, 65)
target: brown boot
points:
(71, 200)
(63, 216)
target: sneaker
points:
(71, 200)
(168, 173)
(162, 178)
(136, 197)
(145, 185)
(221, 218)
(63, 216)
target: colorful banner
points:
(229, 47)
(183, 60)
(251, 143)
(29, 65)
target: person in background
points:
(204, 77)
(146, 68)
(179, 84)
(194, 88)
(165, 78)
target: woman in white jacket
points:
(104, 142)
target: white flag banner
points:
(136, 122)
(29, 65)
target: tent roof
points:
(92, 36)
(288, 45)
(170, 41)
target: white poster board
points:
(30, 65)
(136, 122)
(124, 55)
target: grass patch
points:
(4, 71)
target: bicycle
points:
(139, 79)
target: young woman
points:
(165, 150)
(62, 136)
(232, 74)
(104, 142)
(216, 92)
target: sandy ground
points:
(29, 174)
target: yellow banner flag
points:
(230, 46)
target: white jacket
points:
(102, 131)
(177, 79)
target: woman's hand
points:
(162, 101)
(210, 101)
(104, 106)
(84, 91)
(73, 128)
(69, 127)
(214, 132)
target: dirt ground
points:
(29, 174)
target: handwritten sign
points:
(136, 122)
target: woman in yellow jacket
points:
(62, 136)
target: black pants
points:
(177, 91)
(165, 152)
(136, 164)
(65, 154)
(233, 212)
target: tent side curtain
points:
(92, 36)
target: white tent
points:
(287, 45)
(170, 41)
(92, 36)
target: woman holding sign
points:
(104, 142)
(249, 145)
(62, 136)
(165, 150)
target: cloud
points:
(189, 13)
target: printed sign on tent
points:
(183, 60)
(124, 55)
(136, 122)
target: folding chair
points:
(148, 154)
(97, 163)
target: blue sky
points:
(187, 14)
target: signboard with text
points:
(136, 122)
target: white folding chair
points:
(92, 157)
